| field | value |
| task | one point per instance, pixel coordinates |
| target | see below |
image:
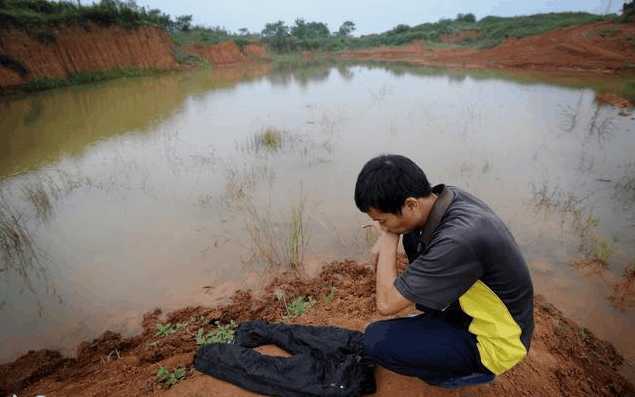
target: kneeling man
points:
(466, 273)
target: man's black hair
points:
(386, 181)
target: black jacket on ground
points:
(325, 361)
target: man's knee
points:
(374, 335)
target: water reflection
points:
(233, 171)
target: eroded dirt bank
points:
(62, 52)
(603, 47)
(65, 51)
(565, 359)
(228, 53)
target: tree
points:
(243, 31)
(277, 35)
(309, 30)
(183, 23)
(346, 28)
(469, 17)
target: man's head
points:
(395, 192)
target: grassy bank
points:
(464, 30)
(35, 14)
(488, 32)
(79, 78)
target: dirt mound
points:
(564, 360)
(597, 47)
(227, 52)
(65, 51)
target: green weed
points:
(602, 250)
(222, 334)
(296, 238)
(168, 379)
(169, 329)
(297, 307)
(328, 298)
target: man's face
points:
(392, 223)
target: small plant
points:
(222, 334)
(168, 379)
(602, 250)
(298, 307)
(169, 329)
(328, 298)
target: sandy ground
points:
(565, 359)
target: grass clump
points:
(169, 329)
(271, 139)
(167, 378)
(222, 334)
(602, 250)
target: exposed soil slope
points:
(69, 50)
(597, 47)
(227, 53)
(564, 360)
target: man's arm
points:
(388, 299)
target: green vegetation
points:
(169, 329)
(84, 78)
(487, 32)
(602, 250)
(168, 379)
(298, 306)
(297, 236)
(328, 298)
(491, 30)
(222, 334)
(41, 13)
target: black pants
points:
(424, 346)
(325, 361)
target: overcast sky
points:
(370, 16)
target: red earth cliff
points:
(79, 49)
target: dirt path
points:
(564, 359)
(603, 47)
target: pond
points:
(177, 189)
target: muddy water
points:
(174, 190)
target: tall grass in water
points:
(18, 252)
(39, 197)
(296, 240)
(277, 240)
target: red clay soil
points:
(564, 359)
(227, 53)
(82, 48)
(614, 100)
(586, 48)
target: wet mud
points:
(565, 359)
